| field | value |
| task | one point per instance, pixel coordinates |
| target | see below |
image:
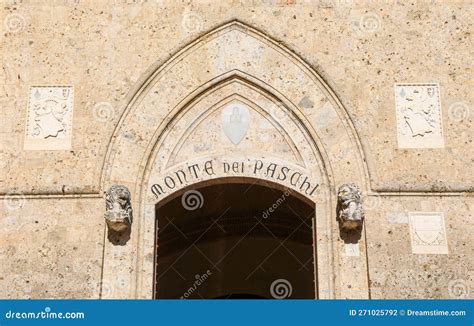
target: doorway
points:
(235, 241)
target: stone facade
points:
(160, 95)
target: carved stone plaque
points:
(49, 118)
(428, 233)
(419, 121)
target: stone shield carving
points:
(419, 121)
(235, 122)
(428, 233)
(350, 210)
(118, 205)
(49, 118)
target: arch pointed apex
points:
(189, 82)
(204, 51)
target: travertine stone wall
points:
(395, 272)
(51, 247)
(52, 238)
(103, 47)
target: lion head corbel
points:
(118, 214)
(350, 210)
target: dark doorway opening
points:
(235, 241)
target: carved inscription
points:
(275, 172)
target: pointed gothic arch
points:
(232, 61)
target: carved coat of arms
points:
(419, 120)
(49, 120)
(235, 121)
(428, 234)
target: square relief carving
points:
(419, 121)
(49, 118)
(428, 233)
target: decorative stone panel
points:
(419, 121)
(183, 134)
(428, 233)
(49, 118)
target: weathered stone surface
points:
(428, 233)
(51, 248)
(419, 120)
(49, 119)
(318, 82)
(350, 209)
(118, 208)
(395, 272)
